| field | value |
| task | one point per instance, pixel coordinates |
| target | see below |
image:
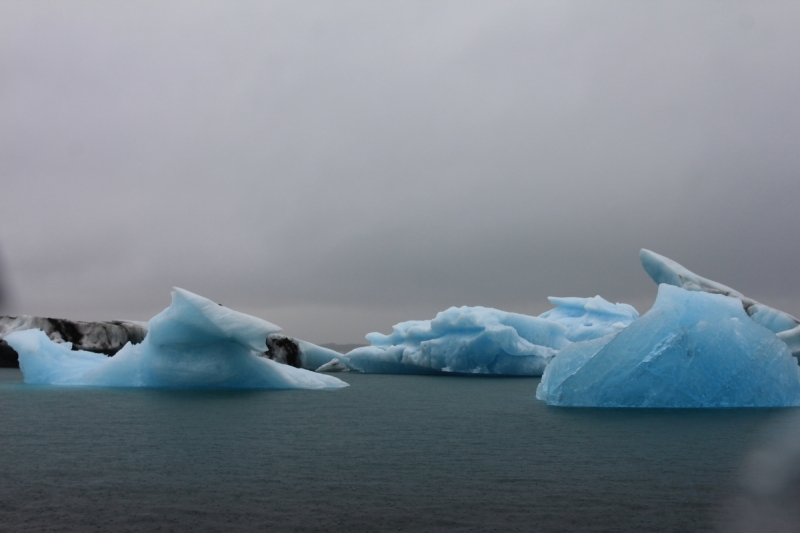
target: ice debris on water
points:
(194, 343)
(481, 340)
(692, 349)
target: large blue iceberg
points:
(481, 340)
(692, 349)
(194, 343)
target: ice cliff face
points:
(664, 270)
(481, 340)
(692, 349)
(100, 337)
(194, 343)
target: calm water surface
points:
(389, 453)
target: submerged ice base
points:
(692, 349)
(194, 343)
(481, 340)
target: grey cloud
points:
(342, 165)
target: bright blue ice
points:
(194, 343)
(481, 340)
(664, 270)
(692, 349)
(590, 318)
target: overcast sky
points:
(336, 168)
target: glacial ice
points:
(481, 340)
(101, 337)
(664, 270)
(334, 365)
(298, 353)
(692, 349)
(589, 318)
(194, 343)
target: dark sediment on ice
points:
(99, 337)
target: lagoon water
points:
(389, 453)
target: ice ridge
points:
(664, 270)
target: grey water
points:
(388, 453)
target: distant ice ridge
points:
(481, 340)
(589, 318)
(692, 349)
(194, 343)
(664, 270)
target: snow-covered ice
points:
(481, 340)
(692, 349)
(194, 343)
(664, 270)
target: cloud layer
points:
(338, 168)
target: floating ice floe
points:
(481, 340)
(664, 270)
(692, 349)
(194, 343)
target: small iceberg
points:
(692, 349)
(482, 340)
(193, 344)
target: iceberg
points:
(664, 270)
(482, 340)
(194, 343)
(692, 349)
